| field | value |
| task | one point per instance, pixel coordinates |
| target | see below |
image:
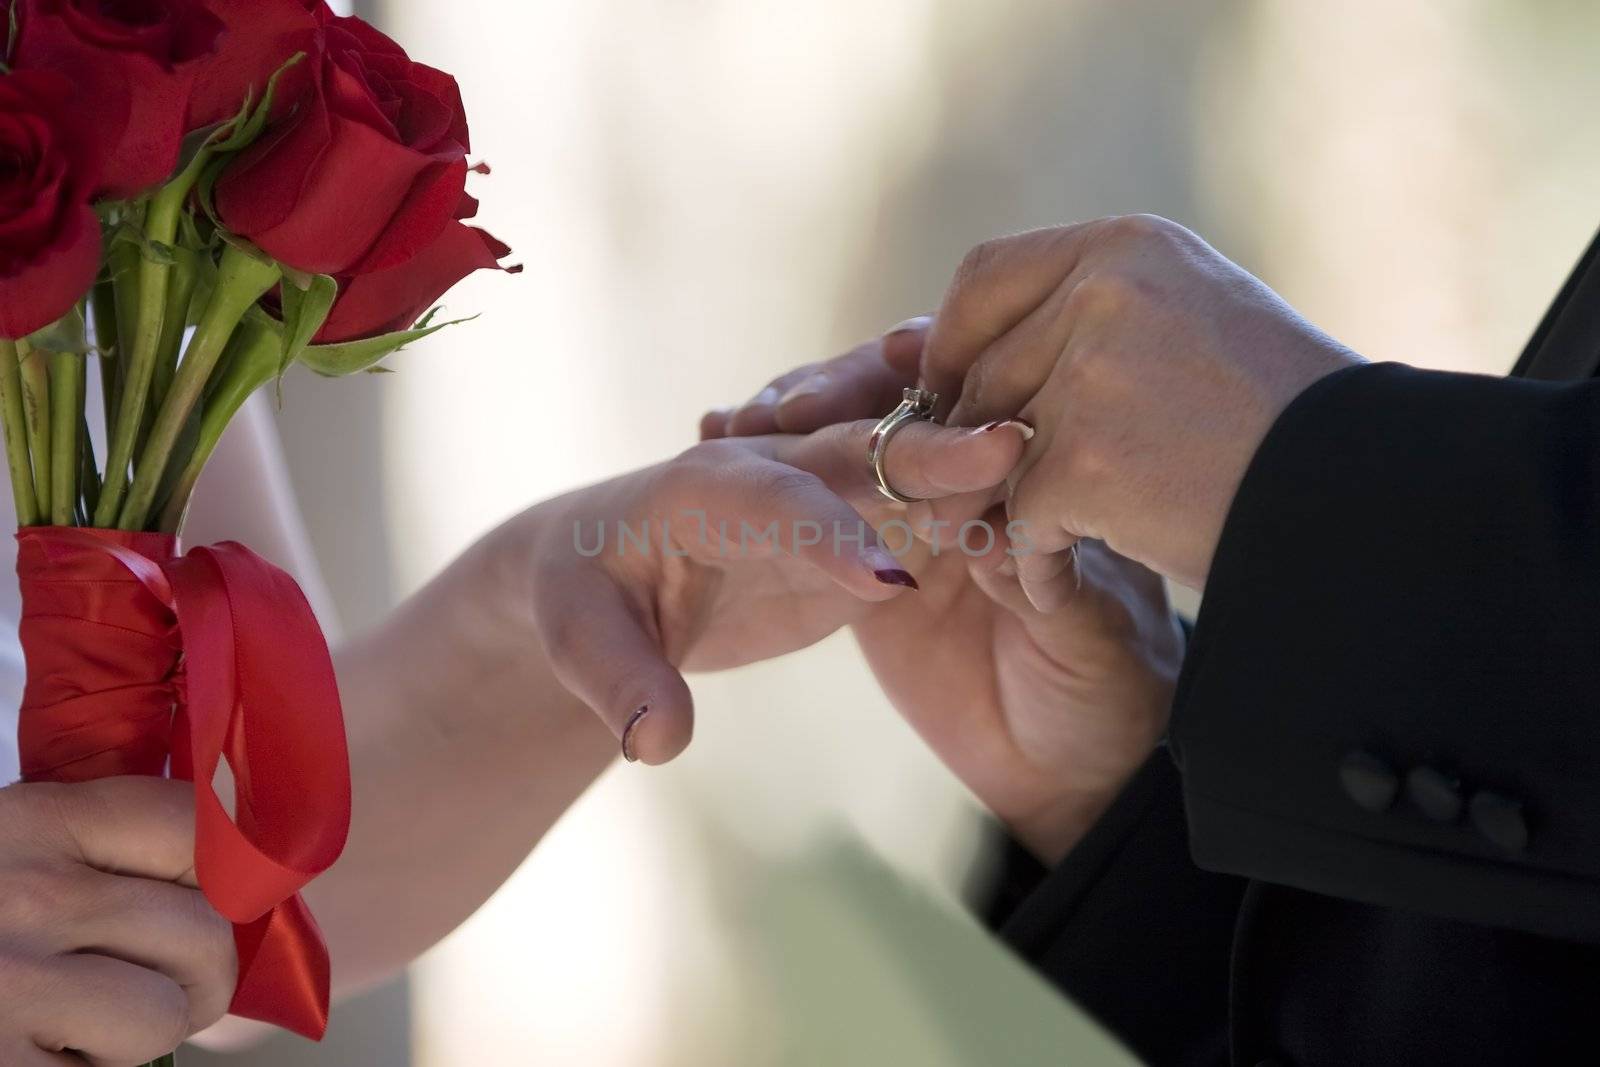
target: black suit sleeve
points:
(1393, 693)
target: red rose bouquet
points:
(195, 195)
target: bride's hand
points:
(1044, 714)
(736, 551)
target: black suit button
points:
(1500, 819)
(1436, 794)
(1368, 780)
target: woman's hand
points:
(109, 954)
(736, 551)
(1044, 714)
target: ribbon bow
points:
(134, 654)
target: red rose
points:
(367, 170)
(259, 38)
(392, 299)
(49, 235)
(135, 64)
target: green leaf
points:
(243, 131)
(66, 334)
(352, 357)
(304, 312)
(205, 188)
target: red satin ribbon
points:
(134, 654)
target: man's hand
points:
(108, 953)
(1045, 712)
(1151, 367)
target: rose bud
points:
(135, 64)
(49, 235)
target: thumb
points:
(604, 654)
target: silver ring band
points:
(916, 406)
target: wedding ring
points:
(916, 406)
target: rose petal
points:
(260, 36)
(394, 299)
(261, 189)
(347, 197)
(40, 293)
(430, 204)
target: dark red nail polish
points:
(896, 577)
(628, 752)
(1023, 427)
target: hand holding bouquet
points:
(195, 195)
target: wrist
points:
(1051, 831)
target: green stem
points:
(122, 259)
(180, 290)
(36, 414)
(16, 432)
(89, 472)
(141, 351)
(66, 413)
(252, 360)
(242, 279)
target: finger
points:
(1050, 580)
(860, 384)
(142, 827)
(998, 284)
(714, 423)
(759, 414)
(1011, 370)
(604, 650)
(31, 1055)
(112, 1013)
(753, 505)
(1027, 583)
(922, 459)
(904, 344)
(165, 928)
(1044, 544)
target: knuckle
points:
(686, 472)
(38, 897)
(978, 264)
(1088, 464)
(167, 1013)
(1105, 295)
(1140, 228)
(785, 485)
(563, 637)
(219, 963)
(34, 812)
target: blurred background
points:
(707, 192)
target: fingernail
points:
(1022, 426)
(919, 322)
(810, 387)
(628, 731)
(767, 398)
(896, 577)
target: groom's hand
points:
(1151, 366)
(1043, 708)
